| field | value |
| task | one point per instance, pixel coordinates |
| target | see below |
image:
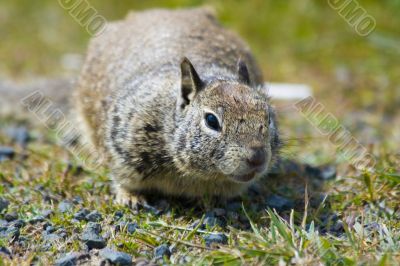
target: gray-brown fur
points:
(143, 107)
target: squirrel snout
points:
(257, 157)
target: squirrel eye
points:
(212, 122)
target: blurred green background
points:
(296, 41)
(302, 41)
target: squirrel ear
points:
(243, 72)
(190, 81)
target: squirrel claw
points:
(131, 200)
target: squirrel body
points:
(175, 102)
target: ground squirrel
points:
(176, 103)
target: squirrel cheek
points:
(230, 162)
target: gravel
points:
(12, 216)
(218, 238)
(18, 223)
(279, 203)
(118, 215)
(50, 229)
(4, 204)
(94, 216)
(19, 135)
(5, 251)
(212, 221)
(234, 216)
(323, 173)
(47, 213)
(37, 219)
(51, 237)
(77, 199)
(91, 236)
(65, 206)
(6, 153)
(162, 251)
(219, 212)
(81, 214)
(328, 172)
(9, 232)
(116, 257)
(234, 206)
(129, 227)
(71, 259)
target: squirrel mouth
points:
(245, 178)
(249, 176)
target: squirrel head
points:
(227, 128)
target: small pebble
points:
(23, 242)
(9, 217)
(118, 215)
(62, 232)
(131, 228)
(6, 153)
(279, 203)
(81, 214)
(94, 216)
(140, 261)
(213, 221)
(37, 219)
(234, 206)
(65, 206)
(91, 236)
(312, 171)
(71, 259)
(255, 190)
(162, 251)
(4, 204)
(120, 226)
(19, 135)
(184, 260)
(10, 232)
(194, 224)
(77, 200)
(106, 235)
(50, 229)
(233, 216)
(215, 239)
(373, 226)
(152, 209)
(116, 257)
(316, 200)
(328, 172)
(18, 223)
(51, 237)
(47, 213)
(5, 251)
(219, 212)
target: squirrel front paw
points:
(129, 199)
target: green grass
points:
(355, 78)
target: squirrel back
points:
(150, 44)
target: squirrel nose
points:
(257, 157)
